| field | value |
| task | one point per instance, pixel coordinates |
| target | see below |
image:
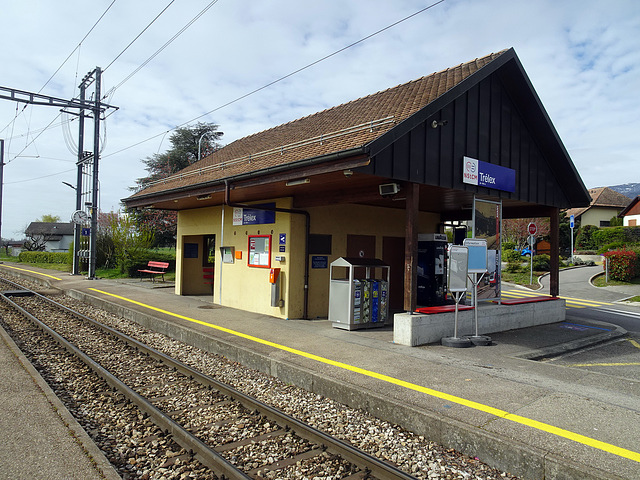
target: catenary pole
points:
(93, 235)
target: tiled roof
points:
(602, 197)
(49, 228)
(347, 126)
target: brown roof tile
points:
(346, 126)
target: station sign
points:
(254, 216)
(483, 174)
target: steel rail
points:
(377, 468)
(207, 456)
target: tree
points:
(49, 218)
(186, 143)
(516, 230)
(121, 240)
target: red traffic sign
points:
(532, 228)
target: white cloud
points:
(583, 58)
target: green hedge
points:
(44, 257)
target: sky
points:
(221, 61)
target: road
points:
(584, 301)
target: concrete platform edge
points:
(502, 453)
(93, 452)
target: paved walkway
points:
(536, 419)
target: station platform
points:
(537, 420)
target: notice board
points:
(477, 254)
(259, 251)
(457, 268)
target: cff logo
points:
(470, 174)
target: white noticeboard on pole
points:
(477, 254)
(458, 268)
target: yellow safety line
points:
(603, 364)
(570, 300)
(634, 343)
(576, 437)
(30, 271)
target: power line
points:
(157, 52)
(139, 35)
(242, 97)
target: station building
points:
(364, 180)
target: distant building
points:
(56, 237)
(605, 204)
(631, 214)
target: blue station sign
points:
(483, 174)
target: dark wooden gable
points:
(493, 116)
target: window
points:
(605, 223)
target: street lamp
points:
(200, 141)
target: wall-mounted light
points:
(388, 189)
(299, 181)
(203, 197)
(436, 123)
(347, 173)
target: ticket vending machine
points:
(432, 271)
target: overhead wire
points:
(138, 36)
(157, 52)
(69, 56)
(242, 97)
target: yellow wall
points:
(240, 286)
(593, 216)
(342, 220)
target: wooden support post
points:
(554, 262)
(411, 247)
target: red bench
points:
(154, 269)
(443, 309)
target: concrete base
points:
(421, 329)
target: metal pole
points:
(93, 248)
(531, 258)
(77, 229)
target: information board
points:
(457, 268)
(477, 254)
(260, 251)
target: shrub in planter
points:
(622, 264)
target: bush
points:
(511, 256)
(541, 263)
(623, 264)
(506, 246)
(611, 246)
(44, 257)
(585, 238)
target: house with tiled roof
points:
(605, 204)
(51, 236)
(631, 213)
(362, 180)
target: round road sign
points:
(532, 228)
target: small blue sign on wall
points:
(85, 232)
(319, 261)
(283, 238)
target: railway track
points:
(230, 433)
